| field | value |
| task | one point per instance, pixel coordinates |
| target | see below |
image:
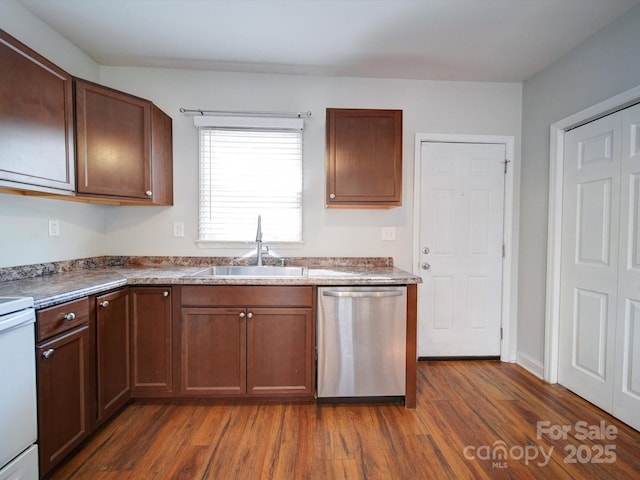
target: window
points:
(250, 167)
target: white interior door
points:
(626, 390)
(461, 238)
(589, 269)
(599, 337)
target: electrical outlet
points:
(54, 228)
(178, 229)
(388, 233)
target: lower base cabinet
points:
(151, 341)
(64, 399)
(247, 341)
(112, 352)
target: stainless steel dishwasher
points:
(361, 341)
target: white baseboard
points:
(530, 364)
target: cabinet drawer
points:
(54, 320)
(242, 296)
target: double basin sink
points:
(262, 271)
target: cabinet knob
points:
(332, 196)
(249, 315)
(241, 315)
(165, 294)
(104, 304)
(148, 193)
(69, 317)
(47, 353)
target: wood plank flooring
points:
(474, 420)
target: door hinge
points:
(500, 333)
(504, 250)
(506, 162)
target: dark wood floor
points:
(474, 419)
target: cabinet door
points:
(113, 132)
(112, 355)
(364, 158)
(280, 351)
(63, 395)
(151, 339)
(36, 131)
(213, 358)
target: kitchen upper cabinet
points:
(124, 147)
(253, 340)
(151, 341)
(363, 158)
(36, 128)
(65, 396)
(112, 352)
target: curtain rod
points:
(245, 114)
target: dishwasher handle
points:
(363, 294)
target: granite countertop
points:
(56, 288)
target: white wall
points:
(24, 221)
(433, 107)
(601, 67)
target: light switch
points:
(178, 229)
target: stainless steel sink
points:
(262, 271)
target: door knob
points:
(425, 250)
(425, 266)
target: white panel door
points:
(626, 391)
(461, 235)
(589, 268)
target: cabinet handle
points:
(104, 304)
(249, 315)
(70, 317)
(332, 196)
(47, 353)
(165, 294)
(148, 193)
(241, 315)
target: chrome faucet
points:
(259, 243)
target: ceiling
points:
(468, 40)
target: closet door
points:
(590, 234)
(626, 392)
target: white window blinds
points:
(245, 172)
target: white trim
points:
(511, 217)
(554, 238)
(530, 364)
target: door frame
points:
(554, 228)
(510, 227)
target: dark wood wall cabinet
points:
(363, 158)
(111, 148)
(124, 146)
(36, 131)
(250, 340)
